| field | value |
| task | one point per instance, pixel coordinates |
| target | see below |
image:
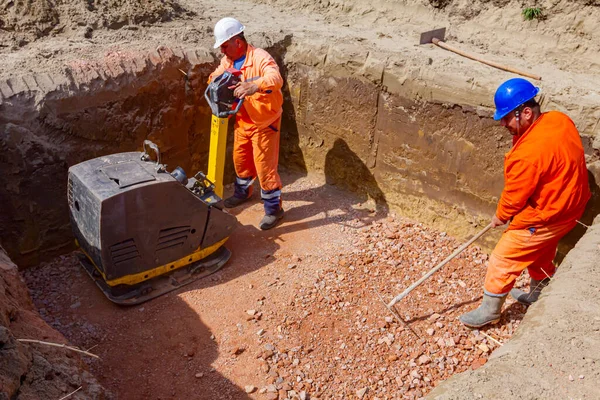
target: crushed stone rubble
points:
(47, 287)
(336, 339)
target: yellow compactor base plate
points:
(147, 290)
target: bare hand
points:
(244, 89)
(496, 222)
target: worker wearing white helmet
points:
(257, 124)
(225, 29)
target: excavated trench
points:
(356, 122)
(427, 150)
(439, 162)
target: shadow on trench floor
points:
(191, 343)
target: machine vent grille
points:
(70, 192)
(172, 237)
(124, 251)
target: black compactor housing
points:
(145, 231)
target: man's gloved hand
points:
(496, 222)
(243, 89)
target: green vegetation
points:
(531, 13)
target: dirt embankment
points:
(488, 27)
(23, 22)
(35, 371)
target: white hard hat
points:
(227, 28)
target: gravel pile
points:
(49, 286)
(337, 340)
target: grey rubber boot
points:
(487, 313)
(535, 289)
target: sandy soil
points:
(36, 36)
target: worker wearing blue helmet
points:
(511, 95)
(545, 193)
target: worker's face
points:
(234, 48)
(518, 125)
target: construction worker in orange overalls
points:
(545, 193)
(257, 124)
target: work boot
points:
(270, 220)
(273, 210)
(241, 194)
(535, 288)
(234, 201)
(487, 313)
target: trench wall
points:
(91, 108)
(386, 128)
(406, 140)
(35, 371)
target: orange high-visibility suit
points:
(545, 192)
(257, 124)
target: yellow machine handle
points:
(217, 152)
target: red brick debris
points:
(336, 339)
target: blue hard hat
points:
(511, 94)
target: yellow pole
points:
(217, 151)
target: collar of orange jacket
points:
(517, 139)
(249, 58)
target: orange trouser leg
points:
(519, 249)
(265, 144)
(243, 159)
(256, 153)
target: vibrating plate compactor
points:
(145, 231)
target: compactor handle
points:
(146, 156)
(236, 109)
(214, 107)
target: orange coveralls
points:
(257, 124)
(545, 192)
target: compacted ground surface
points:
(295, 313)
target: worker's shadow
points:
(343, 169)
(361, 200)
(350, 193)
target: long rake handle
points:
(437, 267)
(446, 46)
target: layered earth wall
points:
(35, 370)
(423, 144)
